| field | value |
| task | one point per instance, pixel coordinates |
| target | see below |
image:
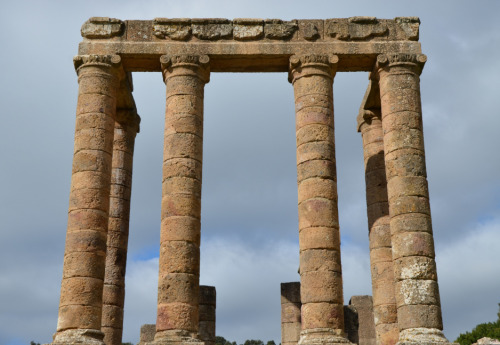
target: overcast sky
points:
(249, 214)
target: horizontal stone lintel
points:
(212, 29)
(246, 56)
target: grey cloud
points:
(249, 192)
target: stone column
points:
(208, 299)
(126, 128)
(290, 313)
(320, 268)
(382, 272)
(80, 307)
(178, 283)
(417, 294)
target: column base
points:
(322, 336)
(175, 338)
(422, 336)
(78, 337)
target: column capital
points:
(129, 118)
(94, 60)
(367, 116)
(306, 65)
(187, 65)
(413, 61)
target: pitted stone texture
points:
(427, 336)
(322, 336)
(84, 260)
(175, 337)
(248, 29)
(366, 328)
(126, 128)
(243, 29)
(78, 337)
(148, 332)
(382, 271)
(178, 284)
(102, 27)
(419, 310)
(320, 267)
(290, 313)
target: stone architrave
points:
(290, 313)
(185, 77)
(206, 328)
(126, 128)
(319, 239)
(382, 272)
(80, 307)
(416, 289)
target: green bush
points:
(488, 329)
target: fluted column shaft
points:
(80, 305)
(178, 286)
(126, 128)
(417, 294)
(320, 267)
(382, 272)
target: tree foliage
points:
(253, 342)
(488, 329)
(222, 341)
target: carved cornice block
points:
(212, 29)
(410, 27)
(279, 30)
(311, 30)
(178, 29)
(356, 28)
(245, 29)
(102, 27)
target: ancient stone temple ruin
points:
(406, 302)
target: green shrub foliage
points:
(488, 329)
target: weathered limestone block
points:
(148, 332)
(419, 310)
(382, 271)
(278, 29)
(212, 29)
(356, 28)
(102, 27)
(206, 330)
(410, 26)
(320, 269)
(126, 128)
(80, 305)
(351, 323)
(178, 285)
(245, 29)
(311, 30)
(366, 325)
(290, 313)
(177, 29)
